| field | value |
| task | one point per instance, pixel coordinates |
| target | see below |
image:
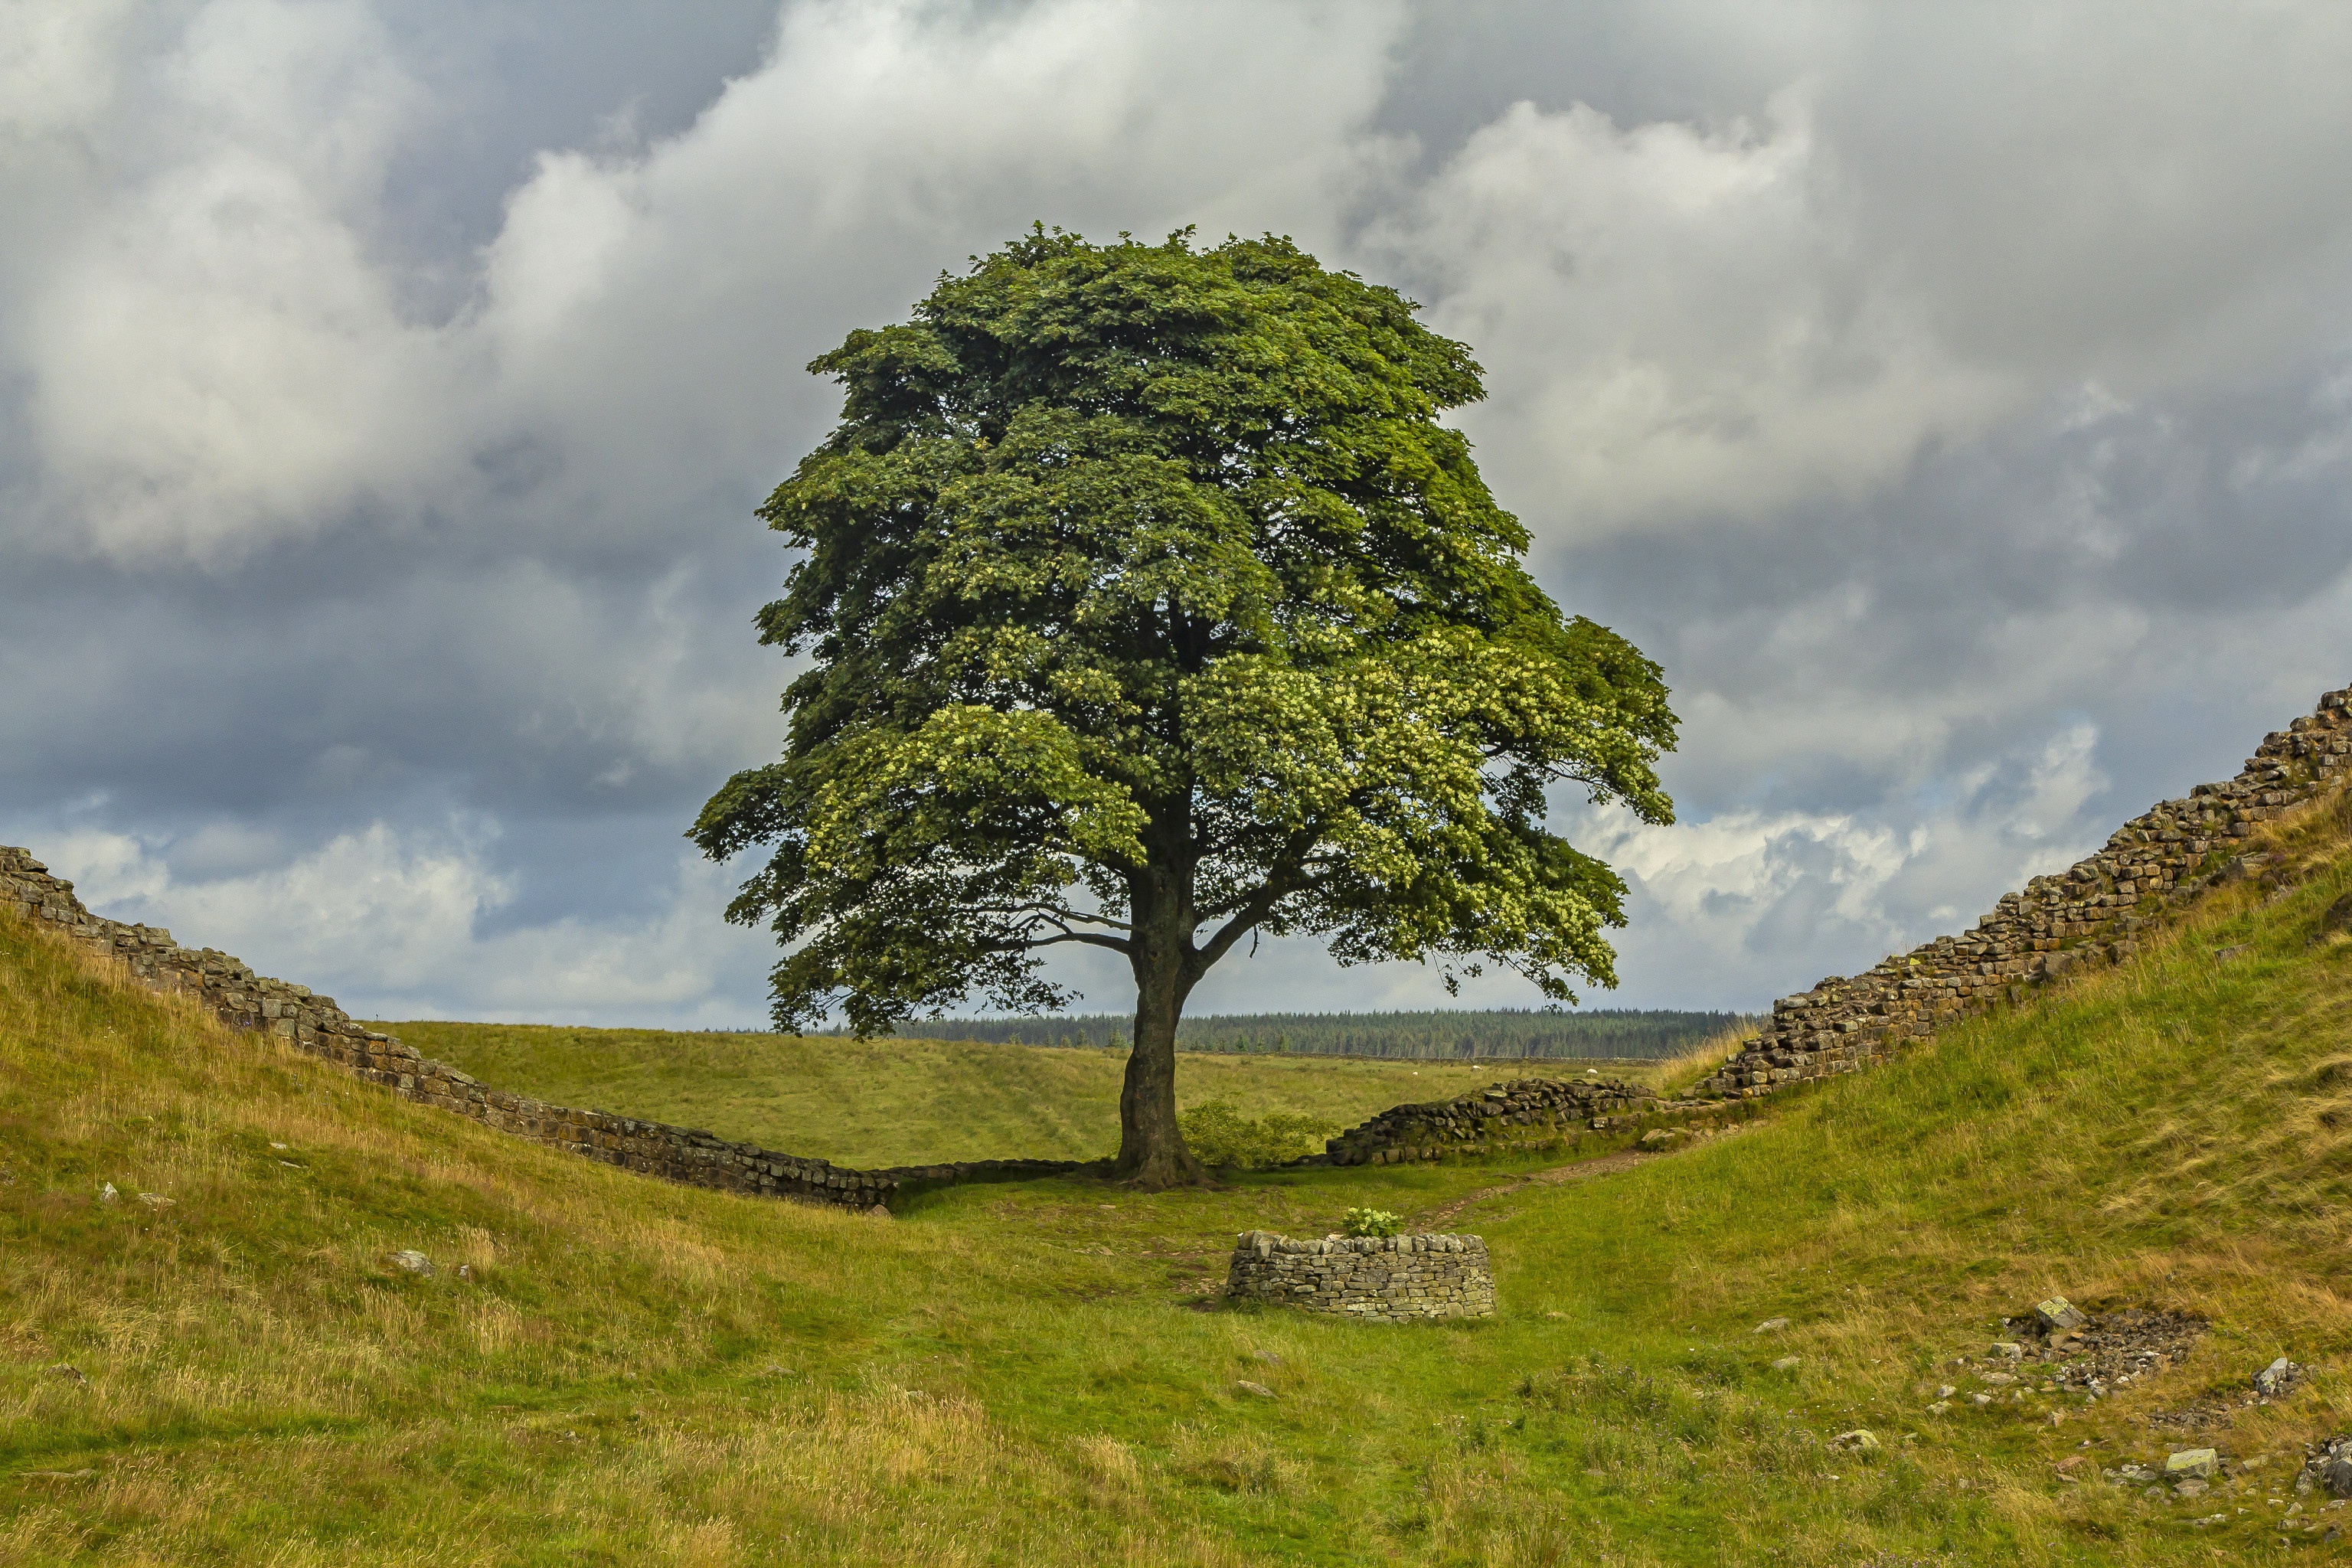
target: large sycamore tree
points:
(1148, 607)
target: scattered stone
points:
(155, 1200)
(2110, 1350)
(1788, 1363)
(2070, 1463)
(2280, 1378)
(2190, 1488)
(1771, 1325)
(464, 1271)
(1945, 1390)
(1939, 1408)
(1658, 1138)
(275, 1144)
(1981, 1399)
(70, 1374)
(1861, 1439)
(2230, 951)
(2328, 1463)
(2184, 1463)
(2009, 1348)
(107, 1195)
(1258, 1390)
(412, 1262)
(2059, 1316)
(1997, 1379)
(2339, 917)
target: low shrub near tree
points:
(1223, 1138)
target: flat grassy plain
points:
(630, 1373)
(901, 1102)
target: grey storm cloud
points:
(1958, 401)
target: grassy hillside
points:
(903, 1102)
(1035, 1373)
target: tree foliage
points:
(1148, 604)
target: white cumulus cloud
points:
(392, 925)
(1679, 321)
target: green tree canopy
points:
(1149, 605)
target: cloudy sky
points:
(1956, 400)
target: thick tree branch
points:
(1092, 939)
(1287, 877)
(1053, 912)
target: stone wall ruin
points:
(1532, 1114)
(310, 1022)
(2089, 914)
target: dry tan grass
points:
(1674, 1074)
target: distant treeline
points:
(1611, 1032)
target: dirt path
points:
(1436, 1219)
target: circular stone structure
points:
(1385, 1278)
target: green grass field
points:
(906, 1101)
(631, 1372)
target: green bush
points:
(1370, 1222)
(1221, 1136)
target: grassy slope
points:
(906, 1101)
(1024, 1373)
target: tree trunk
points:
(1151, 1152)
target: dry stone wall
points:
(1384, 1279)
(2091, 913)
(312, 1023)
(1527, 1113)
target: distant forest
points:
(1608, 1032)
